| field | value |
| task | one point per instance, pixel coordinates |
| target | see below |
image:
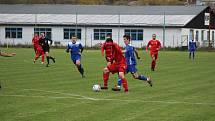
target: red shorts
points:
(115, 68)
(154, 54)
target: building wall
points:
(173, 36)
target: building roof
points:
(98, 9)
(98, 15)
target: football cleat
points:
(116, 88)
(104, 87)
(149, 81)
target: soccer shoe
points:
(116, 88)
(34, 61)
(47, 65)
(42, 63)
(149, 81)
(104, 87)
(153, 69)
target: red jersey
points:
(154, 45)
(108, 51)
(35, 41)
(113, 52)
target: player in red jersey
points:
(154, 46)
(117, 64)
(35, 42)
(38, 49)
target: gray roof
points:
(99, 9)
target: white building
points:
(174, 25)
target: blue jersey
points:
(129, 55)
(75, 48)
(192, 46)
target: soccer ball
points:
(96, 88)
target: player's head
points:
(42, 34)
(126, 39)
(109, 40)
(35, 34)
(154, 36)
(108, 36)
(73, 39)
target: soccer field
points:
(183, 90)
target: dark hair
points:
(127, 37)
(72, 36)
(109, 40)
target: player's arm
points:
(50, 41)
(159, 45)
(40, 42)
(136, 53)
(81, 47)
(68, 49)
(147, 46)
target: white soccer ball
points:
(96, 87)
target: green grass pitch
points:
(184, 90)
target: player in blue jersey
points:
(75, 48)
(130, 52)
(192, 48)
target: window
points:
(13, 32)
(101, 34)
(135, 34)
(69, 32)
(47, 31)
(202, 33)
(208, 36)
(197, 36)
(191, 37)
(212, 35)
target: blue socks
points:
(141, 77)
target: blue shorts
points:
(131, 68)
(74, 58)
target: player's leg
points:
(106, 74)
(153, 62)
(79, 66)
(118, 86)
(124, 81)
(47, 58)
(122, 70)
(35, 49)
(193, 54)
(50, 57)
(43, 57)
(190, 54)
(37, 54)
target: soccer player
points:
(192, 48)
(75, 48)
(35, 42)
(130, 53)
(117, 65)
(44, 42)
(154, 46)
(38, 47)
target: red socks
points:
(125, 84)
(153, 64)
(105, 78)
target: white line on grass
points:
(69, 94)
(80, 97)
